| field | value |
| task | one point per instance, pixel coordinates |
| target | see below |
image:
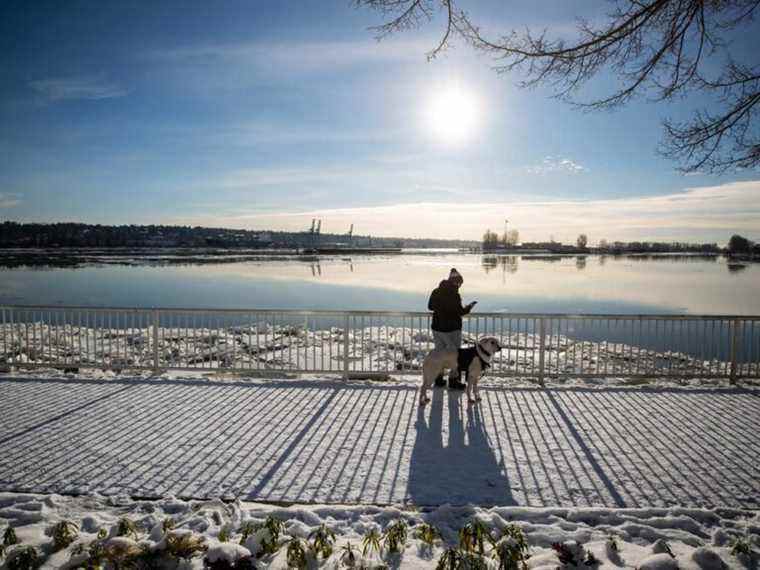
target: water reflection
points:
(736, 267)
(507, 263)
(694, 284)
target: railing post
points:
(12, 358)
(541, 349)
(345, 347)
(5, 366)
(155, 342)
(734, 346)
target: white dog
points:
(471, 362)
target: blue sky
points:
(266, 114)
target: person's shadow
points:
(458, 467)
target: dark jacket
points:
(447, 308)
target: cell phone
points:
(473, 303)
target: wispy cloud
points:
(552, 164)
(288, 177)
(9, 200)
(696, 214)
(73, 88)
(297, 56)
(257, 133)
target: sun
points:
(452, 115)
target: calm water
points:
(593, 284)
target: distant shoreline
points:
(73, 257)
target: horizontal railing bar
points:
(337, 312)
(256, 371)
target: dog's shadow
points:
(452, 460)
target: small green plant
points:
(275, 527)
(23, 558)
(740, 546)
(9, 537)
(590, 559)
(427, 533)
(296, 554)
(246, 531)
(348, 556)
(119, 554)
(451, 559)
(127, 527)
(371, 542)
(78, 549)
(149, 559)
(569, 553)
(472, 561)
(612, 543)
(168, 524)
(458, 559)
(224, 534)
(511, 550)
(322, 541)
(64, 533)
(473, 536)
(185, 545)
(95, 554)
(394, 536)
(102, 533)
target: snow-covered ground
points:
(645, 538)
(658, 467)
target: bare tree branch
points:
(657, 47)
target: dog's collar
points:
(482, 354)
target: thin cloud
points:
(74, 88)
(696, 214)
(252, 178)
(255, 134)
(9, 200)
(553, 164)
(297, 56)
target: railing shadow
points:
(369, 442)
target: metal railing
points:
(356, 343)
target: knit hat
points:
(455, 276)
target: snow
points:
(670, 470)
(230, 553)
(319, 346)
(542, 527)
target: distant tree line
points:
(492, 240)
(656, 247)
(14, 234)
(739, 245)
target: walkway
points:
(363, 442)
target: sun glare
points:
(453, 116)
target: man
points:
(447, 308)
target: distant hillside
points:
(13, 234)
